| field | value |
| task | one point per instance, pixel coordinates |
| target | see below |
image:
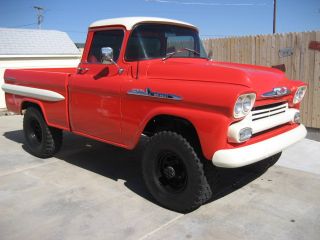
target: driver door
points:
(94, 92)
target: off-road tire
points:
(41, 140)
(194, 190)
(213, 175)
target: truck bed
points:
(45, 87)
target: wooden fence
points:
(292, 49)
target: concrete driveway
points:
(91, 190)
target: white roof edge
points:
(129, 22)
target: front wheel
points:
(174, 174)
(41, 140)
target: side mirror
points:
(107, 57)
(106, 54)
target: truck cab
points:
(134, 44)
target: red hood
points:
(257, 78)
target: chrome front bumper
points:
(242, 156)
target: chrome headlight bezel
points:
(300, 92)
(244, 105)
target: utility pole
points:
(39, 15)
(274, 15)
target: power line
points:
(24, 25)
(73, 31)
(216, 4)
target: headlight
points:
(244, 105)
(247, 104)
(298, 96)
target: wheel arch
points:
(32, 103)
(180, 125)
(210, 127)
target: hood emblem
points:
(277, 92)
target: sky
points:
(215, 18)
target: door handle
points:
(81, 70)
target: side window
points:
(109, 38)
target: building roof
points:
(80, 45)
(129, 22)
(35, 42)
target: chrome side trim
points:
(148, 93)
(36, 93)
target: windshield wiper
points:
(191, 50)
(169, 55)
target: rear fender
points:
(26, 101)
(23, 105)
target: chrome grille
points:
(270, 110)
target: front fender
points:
(211, 127)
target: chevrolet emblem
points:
(277, 92)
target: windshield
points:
(148, 41)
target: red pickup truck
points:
(151, 76)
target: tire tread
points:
(53, 136)
(204, 193)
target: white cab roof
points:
(129, 22)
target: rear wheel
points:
(41, 140)
(173, 173)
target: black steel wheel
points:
(41, 140)
(173, 173)
(34, 133)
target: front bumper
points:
(242, 156)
